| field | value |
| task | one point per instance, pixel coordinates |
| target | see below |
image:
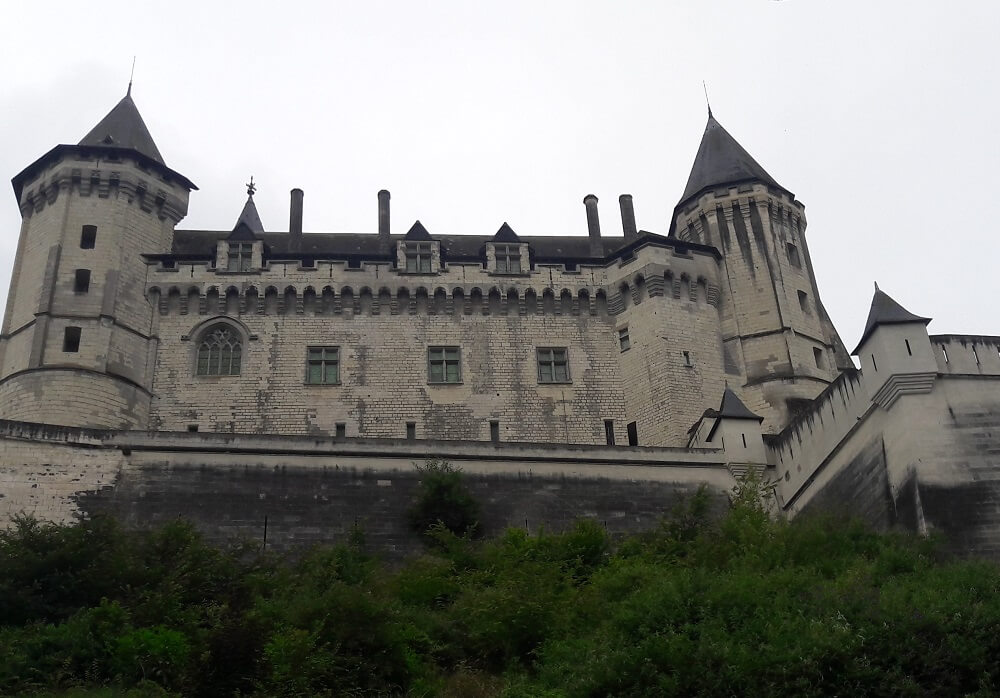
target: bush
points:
(443, 498)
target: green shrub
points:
(443, 498)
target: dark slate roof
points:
(201, 244)
(886, 311)
(248, 225)
(506, 234)
(123, 127)
(417, 232)
(721, 160)
(733, 408)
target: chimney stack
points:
(383, 220)
(628, 218)
(295, 221)
(593, 226)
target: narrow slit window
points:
(411, 431)
(744, 436)
(687, 358)
(71, 340)
(609, 431)
(874, 364)
(804, 302)
(81, 281)
(793, 255)
(909, 352)
(494, 431)
(818, 357)
(88, 237)
(944, 351)
(975, 354)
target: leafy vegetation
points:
(741, 605)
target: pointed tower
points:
(77, 341)
(779, 344)
(895, 352)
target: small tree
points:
(444, 499)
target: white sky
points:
(880, 115)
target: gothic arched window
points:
(220, 352)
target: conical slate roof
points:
(733, 408)
(123, 127)
(886, 311)
(248, 225)
(721, 160)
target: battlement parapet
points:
(972, 355)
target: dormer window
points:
(418, 257)
(240, 256)
(508, 259)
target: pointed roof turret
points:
(721, 160)
(506, 234)
(123, 127)
(417, 232)
(886, 311)
(248, 225)
(733, 408)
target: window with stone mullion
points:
(444, 365)
(418, 257)
(240, 256)
(323, 366)
(219, 354)
(553, 366)
(508, 259)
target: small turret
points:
(895, 351)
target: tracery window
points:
(418, 257)
(220, 352)
(508, 259)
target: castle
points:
(144, 367)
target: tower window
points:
(341, 430)
(71, 340)
(240, 256)
(88, 237)
(220, 352)
(609, 431)
(444, 365)
(804, 302)
(494, 431)
(818, 357)
(553, 366)
(323, 365)
(623, 341)
(411, 431)
(909, 352)
(418, 257)
(793, 255)
(633, 434)
(81, 281)
(687, 358)
(508, 259)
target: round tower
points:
(76, 346)
(776, 334)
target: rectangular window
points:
(323, 365)
(633, 434)
(341, 430)
(240, 256)
(444, 365)
(623, 340)
(609, 431)
(192, 428)
(418, 257)
(411, 431)
(804, 302)
(553, 366)
(495, 431)
(687, 358)
(88, 237)
(818, 356)
(508, 259)
(71, 340)
(81, 281)
(793, 255)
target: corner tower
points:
(76, 346)
(776, 334)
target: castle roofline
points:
(123, 127)
(108, 153)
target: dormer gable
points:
(418, 252)
(506, 253)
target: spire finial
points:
(876, 286)
(707, 103)
(251, 187)
(128, 92)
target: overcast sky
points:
(881, 116)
